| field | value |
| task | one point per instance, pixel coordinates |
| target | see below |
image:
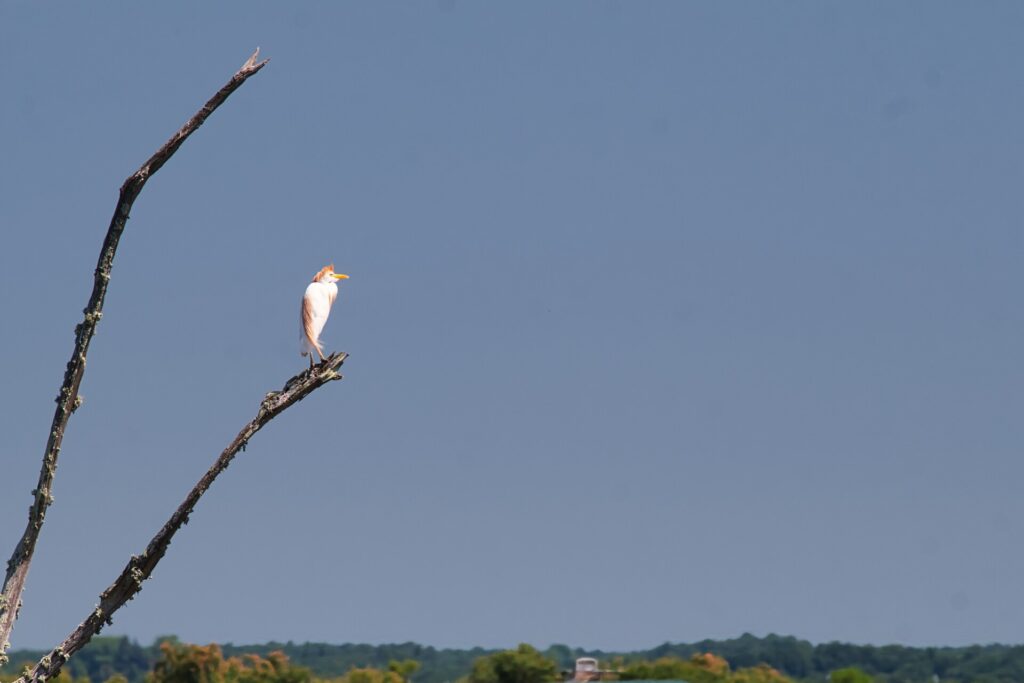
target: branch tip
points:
(250, 64)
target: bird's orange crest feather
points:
(323, 270)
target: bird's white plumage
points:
(316, 307)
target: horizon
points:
(748, 658)
(542, 647)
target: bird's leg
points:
(311, 361)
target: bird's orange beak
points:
(340, 276)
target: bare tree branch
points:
(139, 567)
(68, 400)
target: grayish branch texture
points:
(139, 567)
(68, 399)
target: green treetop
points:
(522, 665)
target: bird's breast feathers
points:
(316, 305)
(327, 291)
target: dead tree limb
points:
(68, 399)
(139, 567)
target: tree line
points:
(748, 659)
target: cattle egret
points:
(316, 306)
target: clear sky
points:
(668, 320)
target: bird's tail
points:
(308, 346)
(307, 349)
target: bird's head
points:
(327, 274)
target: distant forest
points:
(798, 659)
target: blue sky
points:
(667, 320)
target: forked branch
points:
(68, 399)
(139, 567)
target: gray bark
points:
(140, 567)
(68, 399)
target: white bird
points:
(316, 306)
